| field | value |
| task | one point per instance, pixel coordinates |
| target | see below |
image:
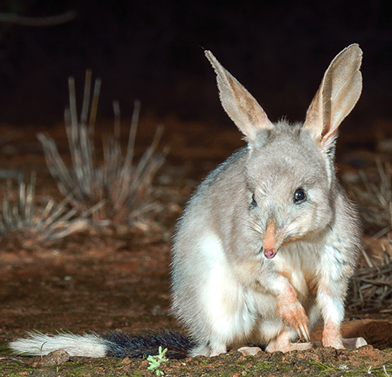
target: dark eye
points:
(299, 196)
(254, 203)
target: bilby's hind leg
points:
(209, 351)
(282, 343)
(200, 350)
(217, 350)
(332, 335)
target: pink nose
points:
(270, 253)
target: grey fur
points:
(225, 289)
(252, 261)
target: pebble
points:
(54, 358)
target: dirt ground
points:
(119, 278)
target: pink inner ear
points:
(326, 130)
(327, 137)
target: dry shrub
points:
(375, 199)
(371, 286)
(121, 190)
(23, 223)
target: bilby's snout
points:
(269, 243)
(269, 254)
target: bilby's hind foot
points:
(283, 344)
(274, 347)
(351, 343)
(218, 351)
(209, 351)
(332, 336)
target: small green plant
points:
(41, 349)
(156, 361)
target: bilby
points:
(268, 242)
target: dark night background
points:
(153, 51)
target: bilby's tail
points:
(115, 344)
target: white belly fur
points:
(236, 313)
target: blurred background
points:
(152, 50)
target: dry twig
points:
(38, 21)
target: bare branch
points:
(38, 21)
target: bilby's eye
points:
(253, 204)
(299, 196)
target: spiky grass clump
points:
(123, 189)
(25, 224)
(371, 286)
(375, 199)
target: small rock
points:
(127, 361)
(249, 351)
(55, 358)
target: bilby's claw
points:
(303, 332)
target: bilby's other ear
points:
(336, 97)
(238, 103)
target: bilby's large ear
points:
(238, 103)
(337, 95)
